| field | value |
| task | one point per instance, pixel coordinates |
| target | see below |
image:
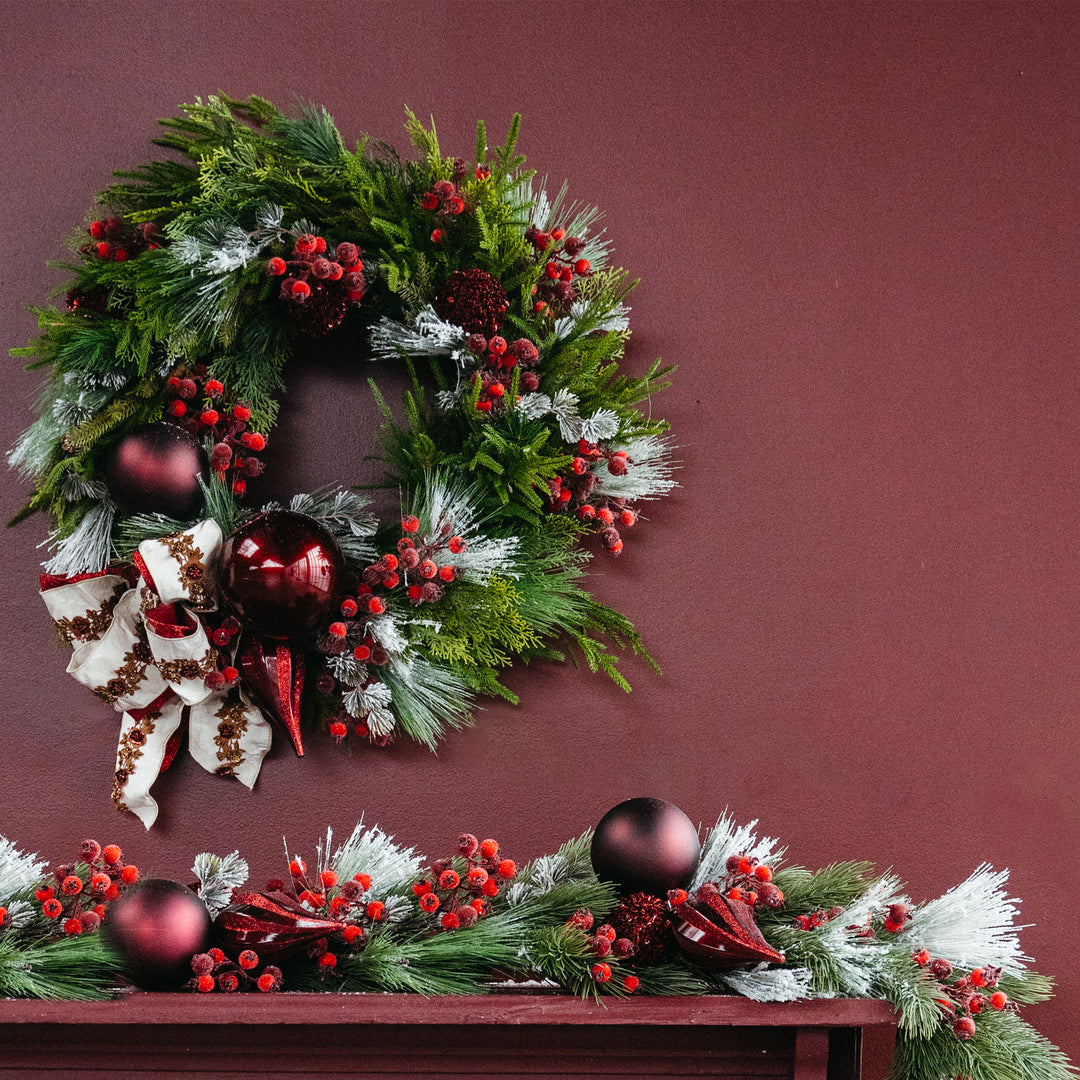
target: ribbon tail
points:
(145, 735)
(229, 736)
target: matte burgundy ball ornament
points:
(156, 469)
(156, 928)
(646, 845)
(282, 574)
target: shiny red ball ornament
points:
(156, 469)
(282, 574)
(156, 928)
(646, 845)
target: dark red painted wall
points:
(857, 230)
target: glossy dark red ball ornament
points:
(646, 845)
(156, 469)
(282, 574)
(156, 928)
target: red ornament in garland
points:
(157, 469)
(646, 845)
(156, 928)
(473, 300)
(282, 574)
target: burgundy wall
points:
(857, 231)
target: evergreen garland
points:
(542, 927)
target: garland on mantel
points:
(519, 449)
(368, 914)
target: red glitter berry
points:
(410, 523)
(266, 983)
(429, 902)
(52, 908)
(489, 848)
(205, 983)
(328, 960)
(631, 983)
(337, 629)
(449, 879)
(297, 867)
(450, 921)
(72, 885)
(72, 927)
(248, 959)
(507, 868)
(375, 910)
(276, 267)
(601, 972)
(338, 730)
(129, 875)
(998, 999)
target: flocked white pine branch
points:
(972, 925)
(725, 839)
(219, 876)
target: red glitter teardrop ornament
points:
(719, 932)
(273, 924)
(283, 574)
(156, 928)
(274, 673)
(473, 300)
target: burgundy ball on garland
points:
(156, 928)
(646, 845)
(156, 469)
(282, 574)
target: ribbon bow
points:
(140, 645)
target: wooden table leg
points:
(811, 1054)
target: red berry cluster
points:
(496, 362)
(226, 675)
(818, 918)
(963, 998)
(115, 240)
(555, 291)
(346, 902)
(897, 916)
(214, 971)
(750, 880)
(82, 890)
(573, 492)
(459, 890)
(198, 405)
(604, 943)
(445, 201)
(317, 290)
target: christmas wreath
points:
(517, 442)
(636, 906)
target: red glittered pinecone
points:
(643, 918)
(473, 300)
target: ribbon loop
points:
(145, 650)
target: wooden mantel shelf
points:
(395, 1036)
